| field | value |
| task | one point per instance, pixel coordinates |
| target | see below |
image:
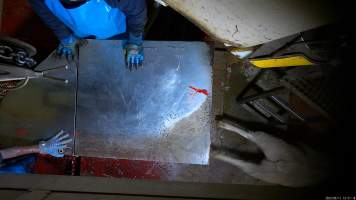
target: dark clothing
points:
(135, 11)
(1, 158)
(20, 165)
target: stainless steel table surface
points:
(152, 113)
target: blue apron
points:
(93, 18)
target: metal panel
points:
(249, 23)
(40, 109)
(159, 112)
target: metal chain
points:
(17, 57)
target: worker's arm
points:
(136, 16)
(53, 146)
(50, 20)
(67, 41)
(18, 151)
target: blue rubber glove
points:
(134, 52)
(56, 145)
(66, 47)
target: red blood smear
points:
(201, 91)
(121, 168)
(108, 167)
(21, 132)
(46, 164)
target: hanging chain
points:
(16, 56)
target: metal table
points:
(41, 109)
(151, 113)
(159, 112)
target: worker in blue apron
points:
(95, 19)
